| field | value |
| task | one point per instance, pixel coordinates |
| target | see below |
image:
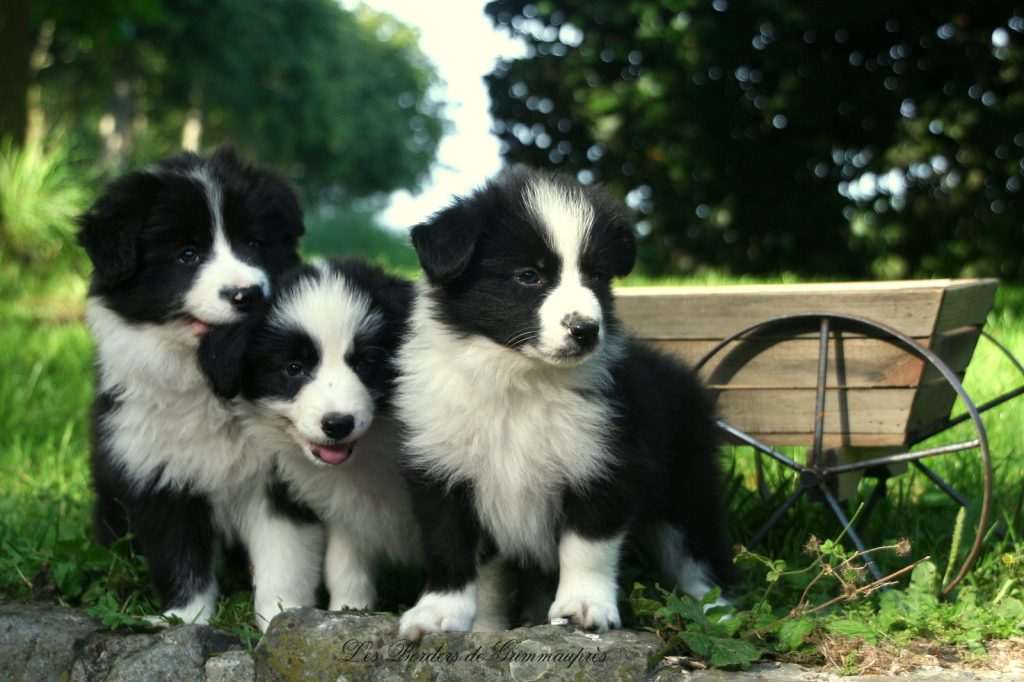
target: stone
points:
(177, 653)
(231, 666)
(307, 644)
(54, 643)
(39, 642)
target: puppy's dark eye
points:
(188, 255)
(294, 369)
(527, 276)
(255, 243)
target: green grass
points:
(348, 232)
(46, 387)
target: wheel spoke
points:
(774, 518)
(819, 395)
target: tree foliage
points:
(849, 139)
(15, 50)
(341, 100)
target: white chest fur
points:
(364, 497)
(519, 432)
(167, 421)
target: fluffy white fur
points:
(362, 501)
(197, 442)
(529, 432)
(199, 610)
(567, 219)
(440, 612)
(518, 470)
(169, 423)
(223, 269)
(519, 425)
(587, 588)
(332, 314)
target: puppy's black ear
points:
(445, 243)
(221, 354)
(109, 230)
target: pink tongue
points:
(333, 455)
(198, 326)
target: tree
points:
(845, 139)
(341, 101)
(15, 48)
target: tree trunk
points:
(15, 48)
(192, 131)
(117, 126)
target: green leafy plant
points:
(41, 194)
(691, 624)
(726, 637)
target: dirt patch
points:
(857, 656)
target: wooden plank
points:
(955, 347)
(932, 405)
(966, 303)
(832, 440)
(911, 307)
(765, 411)
(716, 312)
(852, 362)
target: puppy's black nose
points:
(336, 425)
(242, 297)
(584, 333)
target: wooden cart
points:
(859, 372)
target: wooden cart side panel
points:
(856, 362)
(761, 412)
(717, 312)
(965, 304)
(877, 392)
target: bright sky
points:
(457, 36)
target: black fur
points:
(285, 502)
(474, 248)
(310, 378)
(134, 235)
(249, 358)
(664, 442)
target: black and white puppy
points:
(184, 244)
(537, 431)
(314, 373)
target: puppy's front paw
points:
(439, 612)
(587, 612)
(351, 602)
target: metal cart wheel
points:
(817, 475)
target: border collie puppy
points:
(315, 374)
(537, 432)
(177, 247)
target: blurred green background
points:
(874, 139)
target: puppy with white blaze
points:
(314, 374)
(187, 243)
(538, 434)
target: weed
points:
(40, 195)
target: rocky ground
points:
(39, 642)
